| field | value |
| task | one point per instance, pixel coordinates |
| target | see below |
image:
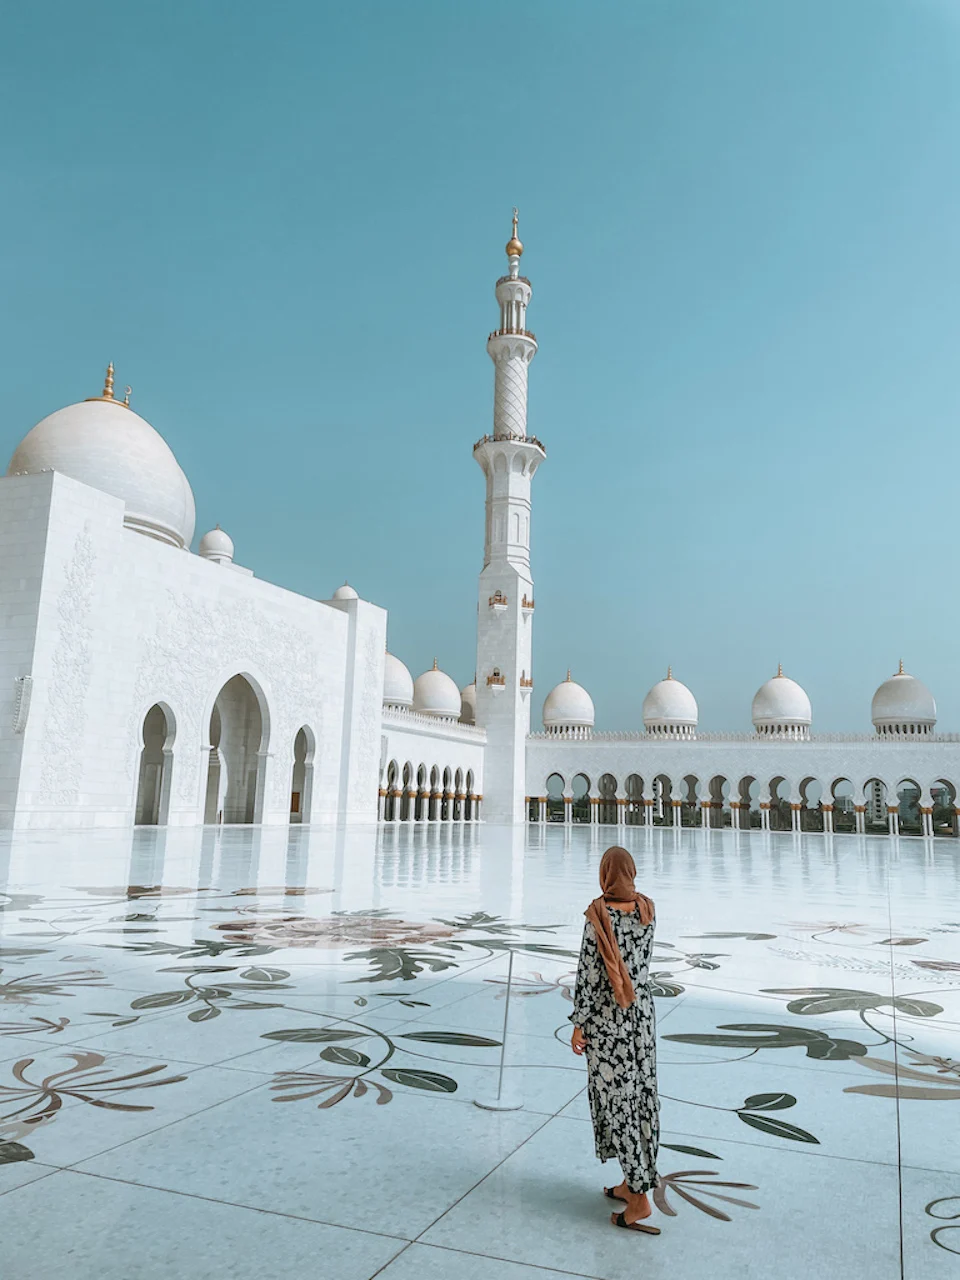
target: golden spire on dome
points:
(107, 392)
(901, 672)
(669, 673)
(514, 244)
(435, 667)
(126, 398)
(779, 670)
(568, 669)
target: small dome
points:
(468, 703)
(670, 708)
(903, 705)
(435, 694)
(216, 545)
(397, 683)
(568, 706)
(346, 592)
(781, 707)
(103, 443)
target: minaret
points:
(509, 458)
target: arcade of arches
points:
(875, 808)
(236, 756)
(418, 794)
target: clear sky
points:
(283, 222)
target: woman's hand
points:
(577, 1042)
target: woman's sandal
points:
(619, 1220)
(611, 1194)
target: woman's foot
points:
(638, 1206)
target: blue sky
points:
(284, 223)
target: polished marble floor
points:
(255, 1053)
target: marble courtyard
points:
(254, 1052)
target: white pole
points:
(509, 1100)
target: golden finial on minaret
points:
(901, 672)
(514, 245)
(779, 670)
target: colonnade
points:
(859, 810)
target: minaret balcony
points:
(512, 333)
(511, 440)
(526, 684)
(498, 602)
(495, 681)
(526, 605)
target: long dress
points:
(621, 1052)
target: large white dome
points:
(435, 694)
(107, 446)
(903, 705)
(468, 703)
(781, 707)
(568, 706)
(397, 683)
(670, 708)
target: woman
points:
(614, 1023)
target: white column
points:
(860, 812)
(893, 819)
(828, 819)
(764, 815)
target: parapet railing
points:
(399, 718)
(755, 739)
(512, 333)
(512, 439)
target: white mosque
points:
(143, 683)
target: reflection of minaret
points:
(509, 458)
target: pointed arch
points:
(157, 734)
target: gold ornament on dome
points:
(107, 393)
(514, 245)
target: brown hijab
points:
(617, 874)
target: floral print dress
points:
(621, 1052)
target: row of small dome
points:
(902, 704)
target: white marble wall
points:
(122, 621)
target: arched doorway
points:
(581, 799)
(156, 763)
(811, 804)
(608, 799)
(875, 819)
(390, 808)
(555, 805)
(908, 807)
(634, 787)
(301, 788)
(662, 801)
(238, 742)
(844, 805)
(943, 797)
